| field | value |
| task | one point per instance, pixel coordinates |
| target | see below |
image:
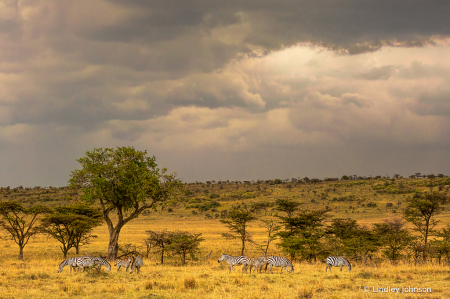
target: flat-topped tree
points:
(125, 182)
(21, 223)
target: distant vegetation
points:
(387, 227)
(362, 207)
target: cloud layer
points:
(225, 89)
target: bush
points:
(214, 195)
(190, 283)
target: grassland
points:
(365, 201)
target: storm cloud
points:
(225, 89)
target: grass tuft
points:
(190, 283)
(305, 293)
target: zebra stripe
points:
(101, 262)
(84, 262)
(71, 262)
(124, 263)
(234, 261)
(279, 261)
(256, 263)
(338, 262)
(137, 264)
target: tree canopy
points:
(125, 182)
(72, 225)
(20, 222)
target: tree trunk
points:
(77, 249)
(113, 246)
(21, 252)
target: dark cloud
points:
(197, 83)
(378, 73)
(433, 103)
(347, 25)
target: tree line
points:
(126, 182)
(305, 235)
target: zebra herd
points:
(276, 261)
(257, 263)
(81, 263)
(254, 263)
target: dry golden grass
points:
(37, 276)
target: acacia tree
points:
(303, 234)
(72, 225)
(393, 236)
(184, 243)
(125, 182)
(159, 240)
(272, 228)
(237, 223)
(20, 222)
(353, 240)
(420, 212)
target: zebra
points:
(234, 260)
(137, 264)
(101, 262)
(85, 261)
(256, 263)
(279, 261)
(124, 263)
(338, 262)
(71, 262)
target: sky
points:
(226, 90)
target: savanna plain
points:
(199, 209)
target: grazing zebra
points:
(256, 263)
(124, 263)
(137, 264)
(86, 261)
(234, 260)
(338, 262)
(101, 262)
(71, 262)
(279, 261)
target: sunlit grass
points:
(37, 277)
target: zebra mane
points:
(346, 259)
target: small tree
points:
(237, 224)
(20, 222)
(287, 206)
(159, 240)
(394, 237)
(303, 234)
(72, 225)
(272, 228)
(354, 240)
(184, 243)
(420, 212)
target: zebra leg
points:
(341, 268)
(270, 269)
(282, 269)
